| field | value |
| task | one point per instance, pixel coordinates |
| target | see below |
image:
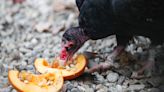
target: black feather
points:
(125, 18)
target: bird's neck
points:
(82, 37)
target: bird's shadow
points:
(86, 77)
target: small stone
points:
(46, 52)
(23, 63)
(75, 84)
(112, 77)
(142, 91)
(161, 87)
(1, 27)
(16, 55)
(29, 37)
(99, 86)
(4, 69)
(119, 88)
(136, 87)
(9, 19)
(13, 90)
(24, 50)
(29, 67)
(100, 79)
(43, 27)
(69, 86)
(121, 80)
(103, 89)
(34, 41)
(75, 90)
(112, 89)
(154, 90)
(139, 50)
(109, 84)
(97, 60)
(21, 67)
(28, 54)
(89, 90)
(81, 88)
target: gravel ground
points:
(34, 28)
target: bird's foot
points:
(93, 66)
(99, 67)
(145, 71)
(147, 67)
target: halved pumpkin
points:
(28, 82)
(78, 68)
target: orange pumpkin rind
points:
(21, 86)
(42, 66)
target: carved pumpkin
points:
(69, 72)
(28, 82)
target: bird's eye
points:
(71, 45)
(68, 48)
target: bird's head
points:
(72, 40)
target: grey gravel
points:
(34, 29)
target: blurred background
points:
(33, 28)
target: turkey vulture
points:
(124, 18)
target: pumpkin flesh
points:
(32, 84)
(68, 73)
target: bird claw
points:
(99, 67)
(148, 66)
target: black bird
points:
(124, 18)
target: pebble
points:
(112, 77)
(75, 90)
(34, 41)
(24, 50)
(161, 87)
(121, 80)
(99, 86)
(119, 88)
(69, 86)
(81, 88)
(154, 90)
(89, 90)
(136, 87)
(13, 90)
(100, 79)
(42, 27)
(29, 67)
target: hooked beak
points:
(66, 55)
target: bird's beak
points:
(65, 55)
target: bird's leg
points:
(117, 51)
(18, 1)
(79, 3)
(146, 66)
(106, 65)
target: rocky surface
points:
(34, 28)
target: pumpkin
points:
(69, 72)
(28, 82)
